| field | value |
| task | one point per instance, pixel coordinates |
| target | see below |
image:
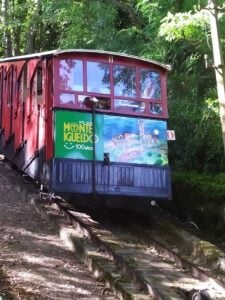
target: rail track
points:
(133, 261)
(138, 259)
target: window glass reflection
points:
(66, 98)
(98, 77)
(129, 105)
(150, 84)
(155, 109)
(71, 74)
(102, 102)
(124, 80)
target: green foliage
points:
(31, 25)
(198, 142)
(205, 187)
(200, 198)
(87, 24)
(189, 25)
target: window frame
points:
(127, 62)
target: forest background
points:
(175, 32)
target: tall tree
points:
(218, 61)
(6, 37)
(193, 101)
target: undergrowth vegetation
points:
(200, 198)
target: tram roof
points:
(58, 52)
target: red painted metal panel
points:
(1, 93)
(48, 88)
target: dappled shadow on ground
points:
(36, 261)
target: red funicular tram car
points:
(85, 122)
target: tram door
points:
(7, 112)
(19, 120)
(35, 115)
(1, 95)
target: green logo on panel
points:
(74, 135)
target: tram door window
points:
(23, 86)
(20, 109)
(36, 90)
(39, 86)
(11, 97)
(9, 88)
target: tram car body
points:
(85, 122)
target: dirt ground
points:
(34, 262)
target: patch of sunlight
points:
(28, 275)
(185, 282)
(67, 287)
(41, 260)
(71, 278)
(56, 267)
(113, 242)
(55, 280)
(53, 240)
(25, 232)
(83, 215)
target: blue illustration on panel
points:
(135, 140)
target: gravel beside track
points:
(34, 262)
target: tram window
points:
(98, 77)
(71, 74)
(81, 98)
(155, 108)
(24, 84)
(124, 80)
(9, 89)
(102, 103)
(36, 89)
(150, 84)
(15, 83)
(33, 86)
(39, 81)
(129, 105)
(39, 85)
(65, 98)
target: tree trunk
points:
(218, 62)
(33, 44)
(6, 39)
